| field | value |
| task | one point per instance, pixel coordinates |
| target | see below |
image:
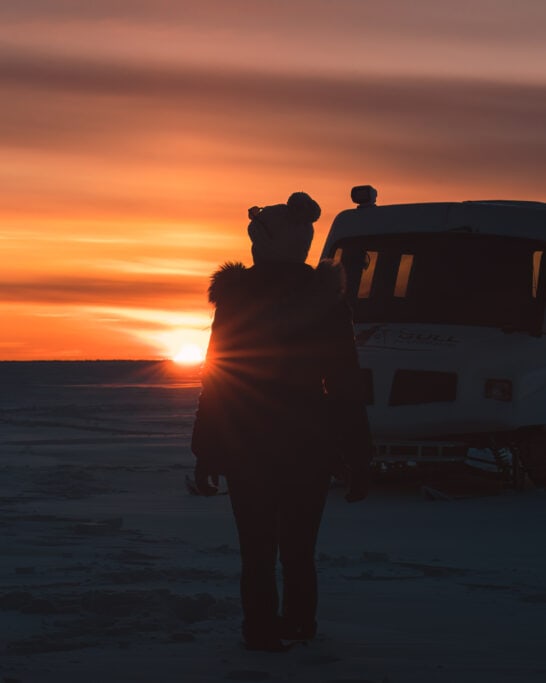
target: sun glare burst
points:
(190, 354)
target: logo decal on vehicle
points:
(382, 336)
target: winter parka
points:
(281, 377)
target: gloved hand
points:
(358, 484)
(205, 480)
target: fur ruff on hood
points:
(329, 282)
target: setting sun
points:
(190, 354)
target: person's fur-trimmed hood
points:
(326, 281)
(225, 280)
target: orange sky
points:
(135, 135)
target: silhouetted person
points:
(280, 411)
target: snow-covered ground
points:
(111, 571)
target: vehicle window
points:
(537, 261)
(445, 278)
(403, 276)
(368, 272)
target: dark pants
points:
(277, 510)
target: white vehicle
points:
(449, 310)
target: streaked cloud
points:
(173, 120)
(309, 36)
(121, 292)
(135, 133)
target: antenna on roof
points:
(364, 196)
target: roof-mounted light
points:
(364, 195)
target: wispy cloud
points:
(176, 119)
(119, 292)
(316, 35)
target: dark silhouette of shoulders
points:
(232, 280)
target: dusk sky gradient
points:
(136, 134)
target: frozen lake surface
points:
(112, 571)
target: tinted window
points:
(444, 278)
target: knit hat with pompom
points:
(283, 232)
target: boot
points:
(265, 640)
(292, 630)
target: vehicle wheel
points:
(532, 452)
